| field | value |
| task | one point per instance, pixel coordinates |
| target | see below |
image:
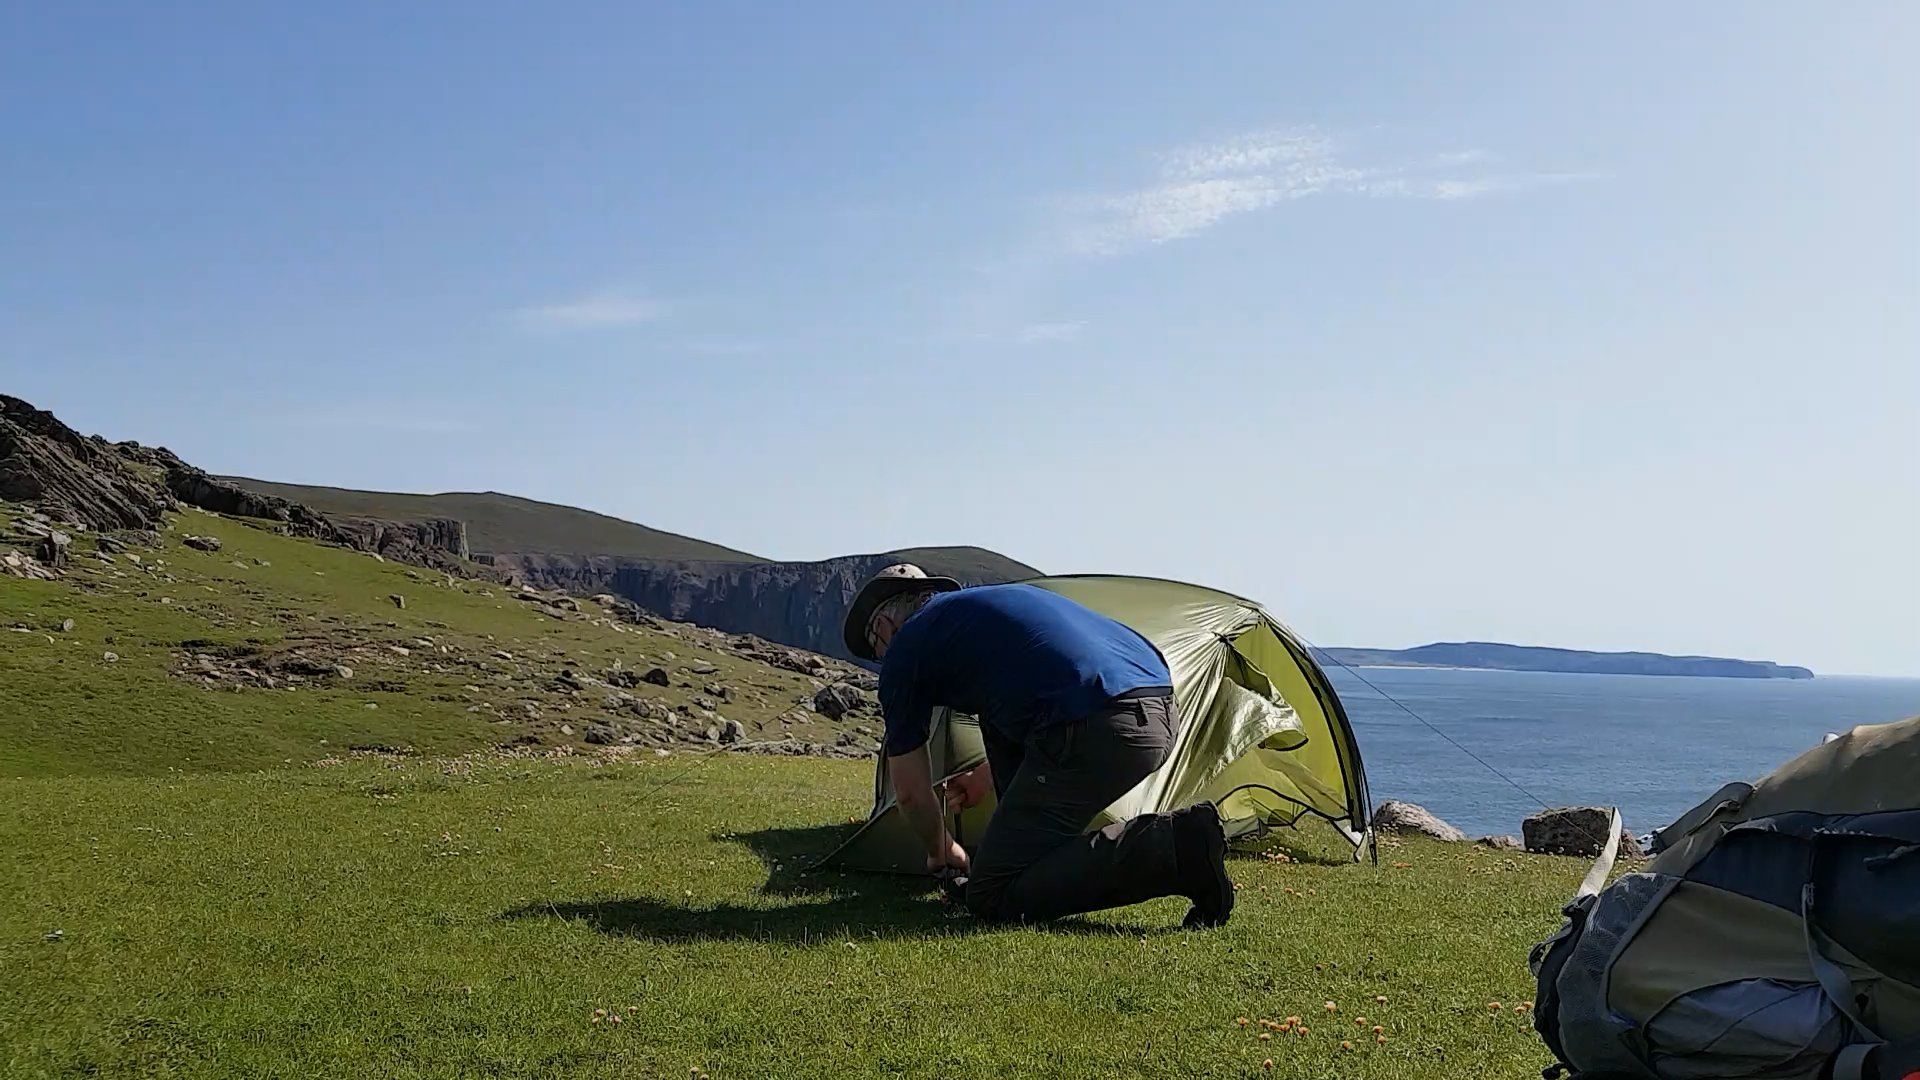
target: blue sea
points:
(1653, 746)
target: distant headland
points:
(1493, 655)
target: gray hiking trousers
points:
(1037, 861)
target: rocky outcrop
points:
(1575, 830)
(88, 482)
(73, 479)
(1406, 817)
(196, 488)
(440, 543)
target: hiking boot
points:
(1200, 847)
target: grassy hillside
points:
(507, 523)
(203, 877)
(417, 672)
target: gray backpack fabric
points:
(1775, 933)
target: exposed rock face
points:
(440, 543)
(126, 486)
(1408, 817)
(1575, 830)
(72, 478)
(793, 603)
(196, 488)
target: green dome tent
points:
(1265, 737)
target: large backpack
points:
(1774, 934)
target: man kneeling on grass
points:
(1075, 709)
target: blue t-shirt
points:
(1017, 656)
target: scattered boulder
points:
(1574, 830)
(1406, 817)
(720, 690)
(837, 700)
(112, 545)
(66, 626)
(624, 678)
(601, 735)
(566, 729)
(18, 565)
(702, 667)
(343, 671)
(52, 549)
(1501, 843)
(110, 657)
(203, 543)
(398, 600)
(732, 731)
(658, 677)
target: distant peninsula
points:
(1495, 656)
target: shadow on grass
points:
(828, 905)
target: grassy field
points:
(199, 879)
(467, 917)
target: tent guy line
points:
(1451, 741)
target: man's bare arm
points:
(913, 789)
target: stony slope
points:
(215, 643)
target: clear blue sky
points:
(1591, 328)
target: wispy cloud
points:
(1200, 186)
(594, 310)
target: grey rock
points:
(732, 731)
(658, 677)
(66, 626)
(1574, 830)
(601, 735)
(566, 729)
(837, 700)
(1501, 843)
(622, 677)
(52, 549)
(202, 543)
(702, 667)
(110, 657)
(721, 691)
(1406, 817)
(398, 600)
(343, 671)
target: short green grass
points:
(467, 918)
(207, 882)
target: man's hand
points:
(955, 860)
(968, 789)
